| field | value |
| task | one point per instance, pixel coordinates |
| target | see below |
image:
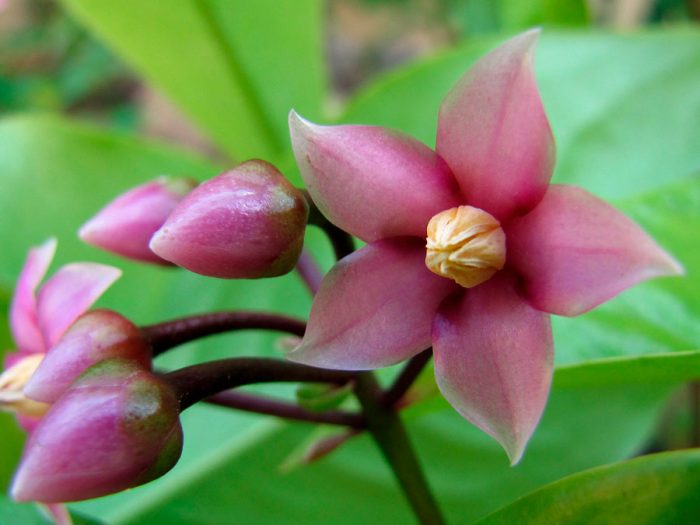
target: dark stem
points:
(388, 432)
(169, 334)
(406, 378)
(273, 407)
(694, 390)
(341, 241)
(198, 382)
(309, 272)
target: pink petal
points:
(576, 251)
(370, 181)
(69, 293)
(493, 361)
(23, 312)
(125, 226)
(494, 134)
(374, 308)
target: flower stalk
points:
(390, 436)
(164, 336)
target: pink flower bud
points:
(125, 226)
(96, 336)
(116, 427)
(246, 223)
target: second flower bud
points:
(246, 223)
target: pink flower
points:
(37, 321)
(504, 248)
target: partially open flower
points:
(246, 223)
(504, 249)
(116, 427)
(38, 321)
(95, 336)
(125, 226)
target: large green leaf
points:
(236, 67)
(661, 489)
(237, 475)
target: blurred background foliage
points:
(99, 95)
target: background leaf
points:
(235, 67)
(653, 490)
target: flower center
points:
(12, 381)
(465, 244)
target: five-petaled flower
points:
(504, 248)
(38, 321)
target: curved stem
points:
(406, 378)
(164, 336)
(273, 407)
(309, 272)
(198, 382)
(341, 241)
(388, 432)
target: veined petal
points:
(69, 293)
(575, 251)
(374, 308)
(23, 312)
(493, 360)
(370, 181)
(494, 134)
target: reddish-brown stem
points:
(169, 334)
(309, 272)
(274, 407)
(406, 378)
(198, 382)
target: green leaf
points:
(653, 490)
(234, 470)
(518, 15)
(631, 370)
(12, 513)
(235, 67)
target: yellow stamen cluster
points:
(465, 244)
(12, 382)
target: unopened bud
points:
(116, 427)
(246, 223)
(126, 225)
(96, 336)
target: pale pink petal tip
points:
(69, 293)
(372, 182)
(125, 226)
(493, 361)
(374, 308)
(23, 311)
(494, 134)
(575, 252)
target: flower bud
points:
(246, 223)
(116, 427)
(126, 225)
(96, 336)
